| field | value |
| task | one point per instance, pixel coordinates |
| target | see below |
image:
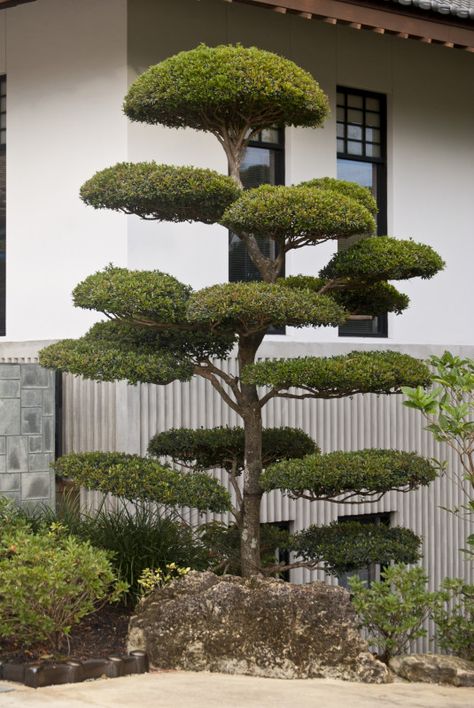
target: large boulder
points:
(434, 668)
(256, 626)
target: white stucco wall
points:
(68, 66)
(66, 71)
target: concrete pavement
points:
(205, 690)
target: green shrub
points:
(135, 538)
(12, 518)
(393, 609)
(48, 583)
(143, 539)
(454, 617)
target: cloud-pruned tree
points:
(158, 330)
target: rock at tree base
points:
(434, 668)
(256, 626)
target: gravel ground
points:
(205, 690)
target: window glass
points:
(360, 153)
(263, 163)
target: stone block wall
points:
(27, 432)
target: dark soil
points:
(98, 636)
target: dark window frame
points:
(381, 182)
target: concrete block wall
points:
(27, 432)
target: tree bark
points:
(252, 492)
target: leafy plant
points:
(449, 411)
(393, 609)
(49, 581)
(150, 579)
(135, 538)
(449, 407)
(453, 615)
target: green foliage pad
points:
(364, 473)
(208, 87)
(161, 192)
(356, 297)
(253, 307)
(342, 375)
(297, 216)
(140, 479)
(205, 449)
(347, 546)
(384, 258)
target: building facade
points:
(401, 86)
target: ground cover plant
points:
(157, 329)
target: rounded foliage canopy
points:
(208, 87)
(161, 192)
(363, 195)
(205, 449)
(141, 479)
(347, 546)
(343, 375)
(253, 306)
(356, 297)
(384, 258)
(297, 216)
(147, 294)
(365, 473)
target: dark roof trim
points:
(382, 16)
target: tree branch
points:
(202, 371)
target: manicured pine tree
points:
(159, 330)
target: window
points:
(3, 197)
(371, 572)
(361, 158)
(263, 163)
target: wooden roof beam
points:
(332, 11)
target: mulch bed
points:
(101, 634)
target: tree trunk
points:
(252, 496)
(252, 492)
